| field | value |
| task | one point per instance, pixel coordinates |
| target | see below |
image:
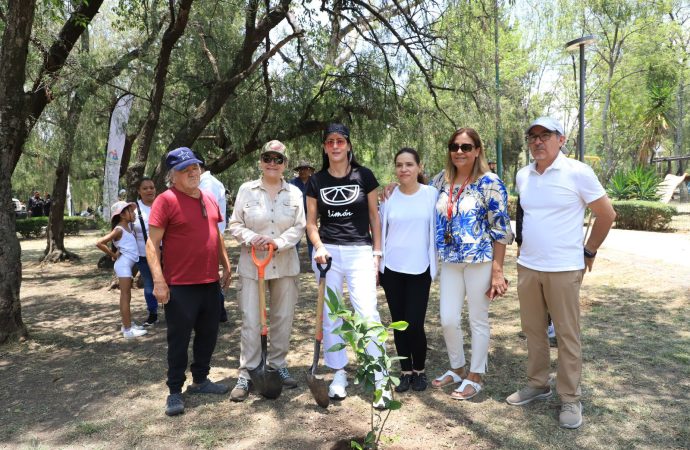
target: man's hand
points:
(589, 262)
(225, 277)
(161, 292)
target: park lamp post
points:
(571, 47)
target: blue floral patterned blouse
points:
(479, 217)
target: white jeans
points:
(456, 281)
(353, 264)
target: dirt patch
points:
(77, 383)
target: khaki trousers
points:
(558, 294)
(280, 305)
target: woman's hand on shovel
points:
(321, 255)
(262, 242)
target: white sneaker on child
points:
(136, 326)
(132, 332)
(337, 388)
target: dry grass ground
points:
(77, 383)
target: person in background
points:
(472, 231)
(184, 220)
(267, 212)
(213, 186)
(343, 224)
(46, 205)
(147, 194)
(492, 166)
(554, 193)
(408, 264)
(304, 171)
(122, 236)
(35, 205)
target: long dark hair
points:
(344, 132)
(420, 176)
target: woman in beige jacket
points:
(268, 212)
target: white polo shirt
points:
(212, 185)
(554, 204)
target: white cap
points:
(118, 207)
(549, 123)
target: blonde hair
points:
(481, 166)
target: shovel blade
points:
(266, 379)
(318, 388)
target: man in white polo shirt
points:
(554, 192)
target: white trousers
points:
(456, 281)
(353, 265)
(280, 304)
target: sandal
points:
(442, 381)
(457, 393)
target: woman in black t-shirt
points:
(343, 197)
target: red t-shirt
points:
(190, 240)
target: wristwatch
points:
(589, 254)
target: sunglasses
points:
(465, 148)
(532, 138)
(272, 158)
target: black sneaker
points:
(419, 382)
(405, 380)
(553, 342)
(174, 405)
(152, 319)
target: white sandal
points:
(457, 393)
(449, 373)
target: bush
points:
(35, 226)
(639, 183)
(643, 215)
(32, 227)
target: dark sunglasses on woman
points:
(272, 158)
(465, 148)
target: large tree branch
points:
(58, 53)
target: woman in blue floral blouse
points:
(472, 231)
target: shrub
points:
(643, 215)
(32, 227)
(35, 226)
(639, 183)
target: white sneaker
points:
(136, 326)
(385, 398)
(132, 333)
(337, 388)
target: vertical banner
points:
(69, 198)
(113, 155)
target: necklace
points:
(448, 235)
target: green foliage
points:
(643, 215)
(512, 206)
(360, 333)
(34, 227)
(639, 183)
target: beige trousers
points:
(558, 294)
(280, 305)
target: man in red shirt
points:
(186, 221)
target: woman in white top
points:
(147, 194)
(408, 264)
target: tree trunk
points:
(172, 34)
(55, 246)
(13, 132)
(19, 112)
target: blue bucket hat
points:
(180, 158)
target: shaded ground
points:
(77, 383)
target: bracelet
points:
(377, 253)
(589, 254)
